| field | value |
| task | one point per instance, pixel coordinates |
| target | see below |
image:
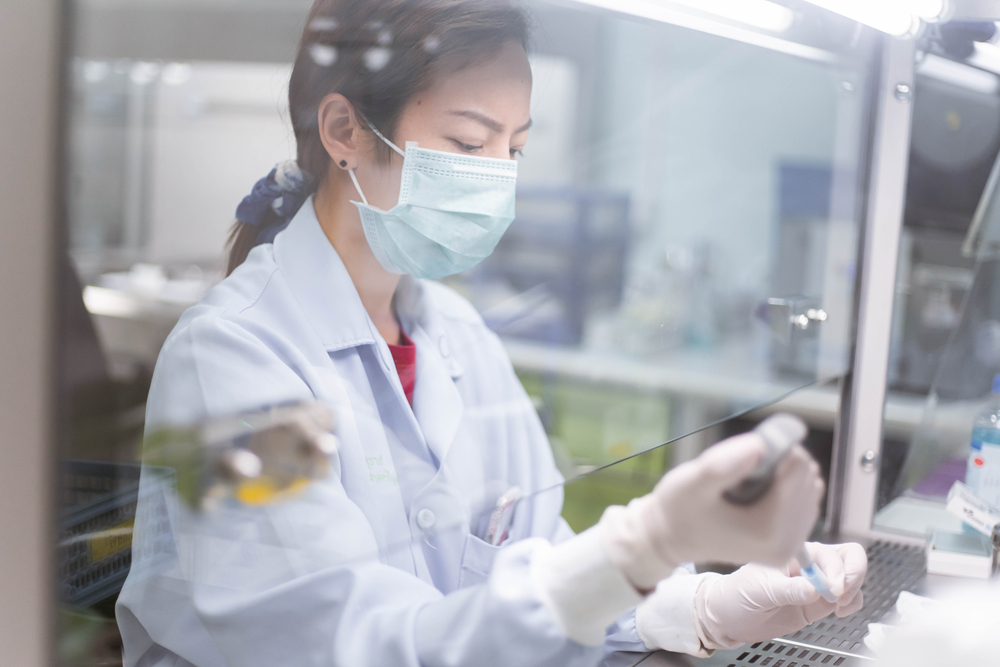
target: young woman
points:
(408, 115)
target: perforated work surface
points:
(778, 654)
(833, 641)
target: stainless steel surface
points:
(836, 641)
(29, 79)
(884, 221)
(830, 642)
(891, 568)
(771, 652)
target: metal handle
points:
(783, 316)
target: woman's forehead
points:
(499, 87)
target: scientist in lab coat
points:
(408, 115)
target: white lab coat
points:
(346, 573)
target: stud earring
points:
(343, 163)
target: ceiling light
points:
(896, 17)
(891, 16)
(757, 13)
(928, 10)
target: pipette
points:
(814, 575)
(780, 433)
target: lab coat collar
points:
(327, 294)
(320, 281)
(410, 303)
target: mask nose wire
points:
(389, 143)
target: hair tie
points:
(282, 191)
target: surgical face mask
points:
(452, 211)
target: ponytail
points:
(270, 206)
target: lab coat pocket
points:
(477, 561)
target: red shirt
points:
(405, 358)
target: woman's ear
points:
(340, 131)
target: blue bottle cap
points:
(996, 383)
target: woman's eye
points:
(516, 152)
(468, 148)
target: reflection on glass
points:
(944, 445)
(669, 240)
(944, 348)
(683, 250)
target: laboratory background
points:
(727, 209)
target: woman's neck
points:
(341, 223)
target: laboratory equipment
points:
(796, 311)
(257, 457)
(780, 433)
(982, 474)
(955, 139)
(959, 555)
(956, 136)
(98, 504)
(502, 517)
(978, 514)
(814, 575)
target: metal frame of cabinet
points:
(31, 62)
(30, 123)
(854, 482)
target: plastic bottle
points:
(982, 472)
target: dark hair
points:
(379, 54)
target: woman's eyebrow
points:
(487, 122)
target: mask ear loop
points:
(389, 143)
(382, 137)
(357, 187)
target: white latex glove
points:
(589, 580)
(686, 518)
(757, 603)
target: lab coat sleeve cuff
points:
(582, 588)
(667, 619)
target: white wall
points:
(219, 128)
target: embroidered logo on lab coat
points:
(377, 472)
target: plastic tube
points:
(814, 575)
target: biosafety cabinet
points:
(724, 210)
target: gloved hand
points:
(757, 603)
(686, 518)
(590, 579)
